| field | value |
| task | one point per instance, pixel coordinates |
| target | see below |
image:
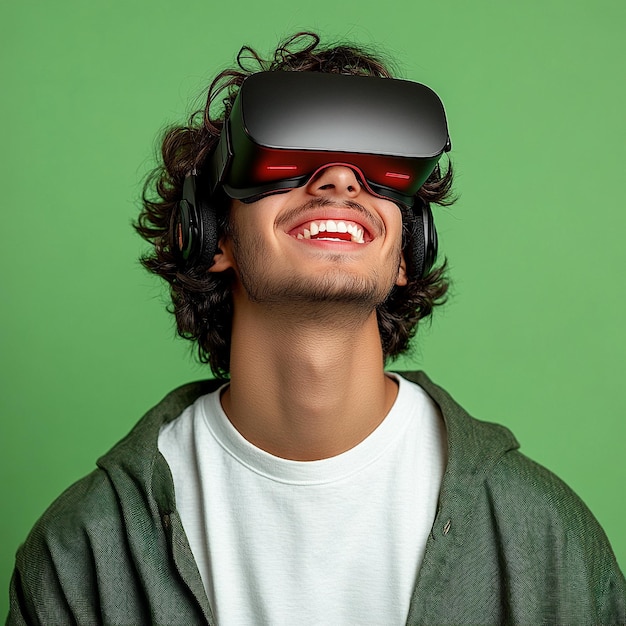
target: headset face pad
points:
(286, 125)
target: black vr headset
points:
(286, 126)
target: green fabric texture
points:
(511, 543)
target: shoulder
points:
(543, 524)
(99, 533)
(537, 498)
(511, 520)
(127, 475)
(87, 503)
(527, 500)
(57, 557)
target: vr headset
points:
(286, 126)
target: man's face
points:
(329, 241)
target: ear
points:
(223, 258)
(402, 280)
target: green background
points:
(533, 335)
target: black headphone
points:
(419, 240)
(196, 230)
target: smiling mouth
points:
(331, 230)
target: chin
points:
(334, 287)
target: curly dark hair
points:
(201, 300)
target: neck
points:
(306, 389)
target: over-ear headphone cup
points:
(196, 227)
(181, 235)
(208, 243)
(431, 240)
(421, 248)
(418, 246)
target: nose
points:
(335, 180)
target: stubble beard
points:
(321, 294)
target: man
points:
(308, 485)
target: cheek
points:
(253, 222)
(394, 226)
(392, 216)
(395, 229)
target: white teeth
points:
(331, 226)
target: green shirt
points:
(511, 543)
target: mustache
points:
(293, 214)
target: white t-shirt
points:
(335, 541)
